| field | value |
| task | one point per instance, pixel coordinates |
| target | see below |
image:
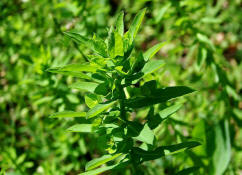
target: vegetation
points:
(111, 104)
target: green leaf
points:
(231, 92)
(152, 66)
(133, 30)
(169, 110)
(120, 24)
(180, 147)
(188, 171)
(153, 50)
(91, 100)
(102, 89)
(85, 128)
(74, 68)
(85, 86)
(204, 39)
(99, 108)
(119, 50)
(106, 168)
(158, 96)
(138, 64)
(201, 57)
(155, 120)
(221, 152)
(142, 155)
(161, 13)
(68, 114)
(99, 161)
(71, 73)
(111, 43)
(146, 135)
(96, 44)
(98, 170)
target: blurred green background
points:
(203, 51)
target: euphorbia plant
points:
(110, 77)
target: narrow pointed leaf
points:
(106, 168)
(204, 39)
(85, 128)
(153, 50)
(74, 68)
(100, 161)
(68, 114)
(152, 66)
(99, 108)
(133, 30)
(120, 23)
(144, 155)
(119, 50)
(158, 96)
(169, 110)
(70, 73)
(85, 86)
(180, 147)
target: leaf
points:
(180, 147)
(204, 39)
(85, 86)
(99, 108)
(146, 135)
(133, 30)
(106, 168)
(102, 89)
(169, 110)
(155, 120)
(142, 155)
(111, 43)
(98, 170)
(231, 92)
(68, 114)
(152, 66)
(119, 50)
(91, 100)
(188, 171)
(221, 153)
(153, 50)
(138, 64)
(120, 24)
(85, 128)
(71, 73)
(202, 55)
(74, 68)
(158, 96)
(161, 13)
(99, 161)
(97, 45)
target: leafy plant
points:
(114, 78)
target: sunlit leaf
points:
(68, 114)
(81, 128)
(85, 86)
(100, 161)
(99, 108)
(153, 50)
(120, 24)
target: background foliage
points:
(203, 51)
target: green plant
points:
(111, 79)
(112, 75)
